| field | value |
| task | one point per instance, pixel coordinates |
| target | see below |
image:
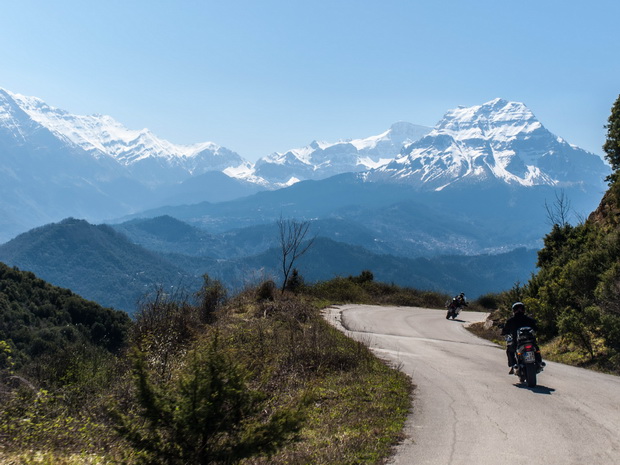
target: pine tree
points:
(204, 414)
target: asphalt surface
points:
(467, 409)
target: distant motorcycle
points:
(453, 309)
(529, 363)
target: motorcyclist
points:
(518, 320)
(459, 301)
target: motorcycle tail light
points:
(529, 347)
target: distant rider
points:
(459, 301)
(518, 320)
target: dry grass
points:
(485, 331)
(354, 405)
(37, 457)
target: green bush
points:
(581, 327)
(276, 374)
(205, 414)
(211, 296)
(266, 290)
(340, 290)
(295, 283)
(489, 301)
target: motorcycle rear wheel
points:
(530, 374)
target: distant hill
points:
(474, 275)
(38, 319)
(490, 218)
(343, 247)
(326, 259)
(95, 262)
(170, 235)
(103, 265)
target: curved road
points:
(468, 410)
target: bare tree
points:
(292, 236)
(559, 211)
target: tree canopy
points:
(612, 143)
(41, 320)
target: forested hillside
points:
(43, 327)
(94, 261)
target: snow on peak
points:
(321, 159)
(499, 139)
(399, 134)
(102, 134)
(497, 118)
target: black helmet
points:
(518, 307)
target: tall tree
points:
(612, 143)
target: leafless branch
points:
(292, 236)
(558, 212)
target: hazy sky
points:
(271, 75)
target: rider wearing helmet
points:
(518, 320)
(460, 300)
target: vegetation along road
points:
(467, 409)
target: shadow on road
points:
(537, 390)
(460, 321)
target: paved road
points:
(467, 410)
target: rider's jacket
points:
(519, 320)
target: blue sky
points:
(270, 75)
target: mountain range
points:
(55, 164)
(479, 182)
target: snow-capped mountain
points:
(320, 160)
(156, 161)
(497, 141)
(54, 164)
